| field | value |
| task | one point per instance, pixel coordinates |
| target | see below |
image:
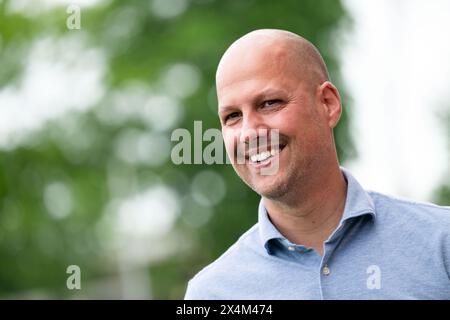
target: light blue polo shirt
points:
(383, 248)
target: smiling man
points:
(319, 234)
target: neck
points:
(314, 215)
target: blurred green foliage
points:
(79, 148)
(442, 192)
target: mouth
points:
(264, 155)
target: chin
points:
(273, 193)
(274, 189)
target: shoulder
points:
(410, 212)
(223, 268)
(423, 226)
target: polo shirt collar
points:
(357, 203)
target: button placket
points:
(326, 270)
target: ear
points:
(331, 101)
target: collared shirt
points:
(383, 248)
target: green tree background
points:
(159, 59)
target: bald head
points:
(271, 48)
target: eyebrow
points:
(260, 96)
(226, 108)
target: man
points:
(319, 234)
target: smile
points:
(259, 157)
(265, 155)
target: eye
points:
(231, 116)
(271, 103)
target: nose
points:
(253, 126)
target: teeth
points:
(264, 155)
(260, 156)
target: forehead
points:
(244, 82)
(249, 62)
(253, 90)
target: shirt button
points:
(291, 248)
(326, 271)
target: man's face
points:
(259, 93)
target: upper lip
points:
(260, 149)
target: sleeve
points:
(191, 292)
(446, 253)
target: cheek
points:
(289, 122)
(229, 139)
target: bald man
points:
(319, 234)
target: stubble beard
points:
(283, 186)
